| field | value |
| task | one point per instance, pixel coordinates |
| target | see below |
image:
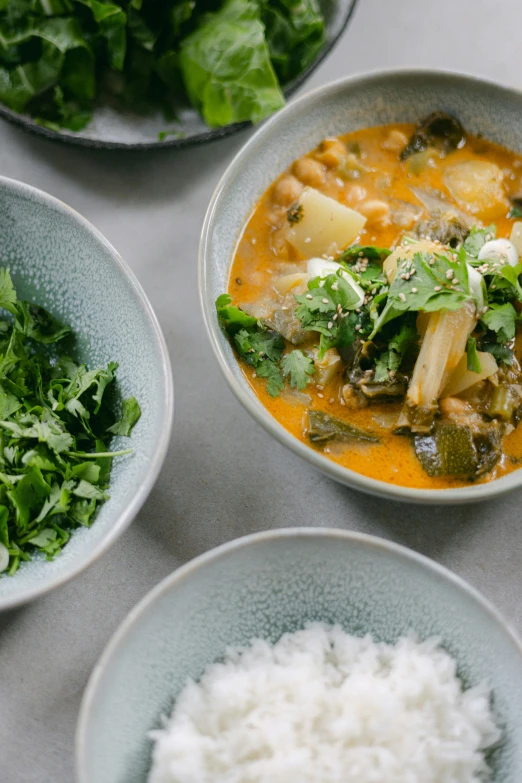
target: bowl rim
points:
(346, 476)
(127, 516)
(118, 640)
(26, 122)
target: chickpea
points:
(376, 210)
(396, 141)
(452, 405)
(287, 190)
(331, 153)
(309, 171)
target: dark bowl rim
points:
(126, 517)
(212, 134)
(118, 640)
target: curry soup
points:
(374, 298)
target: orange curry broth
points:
(256, 263)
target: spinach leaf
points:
(295, 33)
(226, 66)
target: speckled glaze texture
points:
(341, 107)
(262, 586)
(60, 261)
(118, 129)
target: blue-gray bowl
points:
(343, 106)
(60, 261)
(262, 586)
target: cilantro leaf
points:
(371, 252)
(512, 274)
(299, 368)
(130, 414)
(515, 211)
(399, 345)
(502, 320)
(7, 292)
(477, 238)
(35, 322)
(232, 318)
(473, 362)
(272, 373)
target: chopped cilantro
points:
(52, 416)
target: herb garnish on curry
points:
(374, 303)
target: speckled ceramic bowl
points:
(60, 261)
(262, 586)
(346, 105)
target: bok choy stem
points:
(443, 346)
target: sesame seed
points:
(309, 296)
(493, 287)
(402, 297)
(325, 301)
(330, 324)
(450, 273)
(332, 400)
(414, 290)
(308, 240)
(374, 291)
(336, 316)
(335, 287)
(253, 241)
(342, 401)
(360, 253)
(284, 308)
(431, 261)
(413, 271)
(358, 328)
(407, 276)
(357, 309)
(455, 282)
(484, 310)
(438, 288)
(254, 375)
(320, 395)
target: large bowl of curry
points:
(360, 277)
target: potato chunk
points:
(477, 185)
(325, 226)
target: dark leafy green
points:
(56, 422)
(61, 58)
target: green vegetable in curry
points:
(56, 423)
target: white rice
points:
(321, 706)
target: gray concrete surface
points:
(224, 477)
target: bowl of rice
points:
(306, 656)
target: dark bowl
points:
(115, 129)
